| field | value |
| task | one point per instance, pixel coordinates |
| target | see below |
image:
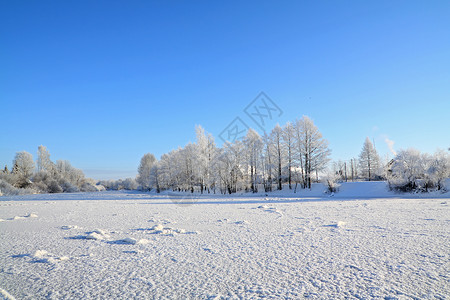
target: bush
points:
(331, 182)
(412, 171)
(6, 189)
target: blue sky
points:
(101, 83)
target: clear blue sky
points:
(101, 83)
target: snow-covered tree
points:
(229, 167)
(369, 161)
(268, 163)
(411, 170)
(276, 140)
(288, 138)
(205, 157)
(144, 171)
(438, 169)
(155, 177)
(312, 149)
(43, 160)
(253, 148)
(23, 168)
(406, 168)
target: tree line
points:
(294, 154)
(43, 176)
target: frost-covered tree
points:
(438, 169)
(155, 177)
(144, 170)
(253, 148)
(268, 163)
(276, 140)
(288, 137)
(312, 149)
(206, 149)
(411, 170)
(406, 169)
(229, 167)
(43, 160)
(369, 160)
(23, 168)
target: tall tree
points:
(253, 147)
(145, 171)
(276, 137)
(288, 143)
(313, 148)
(43, 160)
(268, 163)
(368, 160)
(206, 149)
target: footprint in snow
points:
(339, 224)
(169, 231)
(241, 222)
(130, 241)
(68, 227)
(30, 215)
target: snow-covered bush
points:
(331, 182)
(438, 169)
(23, 168)
(54, 187)
(411, 170)
(68, 187)
(6, 189)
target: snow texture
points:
(126, 245)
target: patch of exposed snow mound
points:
(31, 215)
(45, 257)
(157, 227)
(94, 236)
(98, 234)
(341, 224)
(160, 229)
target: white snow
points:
(4, 295)
(98, 234)
(44, 257)
(283, 245)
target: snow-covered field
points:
(371, 244)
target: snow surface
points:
(364, 242)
